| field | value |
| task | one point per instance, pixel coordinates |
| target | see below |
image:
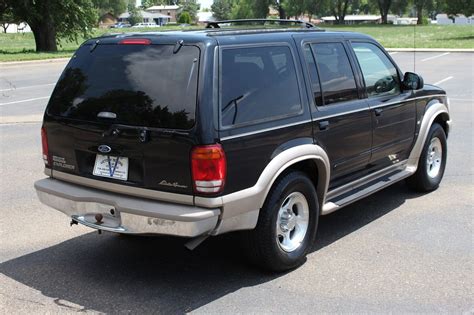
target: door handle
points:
(323, 125)
(378, 111)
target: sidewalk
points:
(39, 61)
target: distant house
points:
(405, 21)
(169, 10)
(443, 19)
(107, 20)
(462, 20)
(148, 17)
(355, 19)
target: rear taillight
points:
(209, 168)
(44, 145)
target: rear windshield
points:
(141, 85)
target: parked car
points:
(201, 133)
(142, 25)
(121, 25)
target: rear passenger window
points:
(258, 83)
(335, 72)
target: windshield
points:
(141, 85)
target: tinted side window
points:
(335, 72)
(258, 83)
(313, 73)
(380, 75)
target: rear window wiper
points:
(94, 45)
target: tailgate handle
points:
(108, 115)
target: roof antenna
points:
(414, 42)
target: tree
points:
(242, 10)
(222, 9)
(279, 5)
(6, 16)
(339, 10)
(384, 7)
(184, 18)
(399, 7)
(116, 7)
(149, 3)
(465, 7)
(260, 8)
(316, 7)
(294, 7)
(191, 7)
(51, 20)
(420, 5)
(135, 15)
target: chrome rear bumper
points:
(125, 214)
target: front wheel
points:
(432, 161)
(287, 224)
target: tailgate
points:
(125, 114)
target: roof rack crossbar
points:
(304, 24)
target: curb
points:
(461, 50)
(39, 61)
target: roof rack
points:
(303, 24)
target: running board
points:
(364, 187)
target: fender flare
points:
(433, 111)
(252, 198)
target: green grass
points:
(425, 36)
(16, 47)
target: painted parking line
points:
(393, 53)
(24, 101)
(444, 80)
(462, 99)
(434, 57)
(26, 87)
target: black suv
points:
(262, 128)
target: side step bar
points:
(349, 193)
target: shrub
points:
(184, 18)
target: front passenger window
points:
(380, 75)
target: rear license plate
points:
(111, 167)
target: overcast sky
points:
(205, 3)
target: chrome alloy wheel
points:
(292, 222)
(434, 158)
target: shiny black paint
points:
(247, 156)
(393, 128)
(249, 149)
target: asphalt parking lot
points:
(396, 251)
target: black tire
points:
(421, 181)
(262, 246)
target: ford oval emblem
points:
(104, 148)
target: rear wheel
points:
(287, 224)
(432, 161)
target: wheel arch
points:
(435, 112)
(240, 210)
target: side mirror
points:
(412, 81)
